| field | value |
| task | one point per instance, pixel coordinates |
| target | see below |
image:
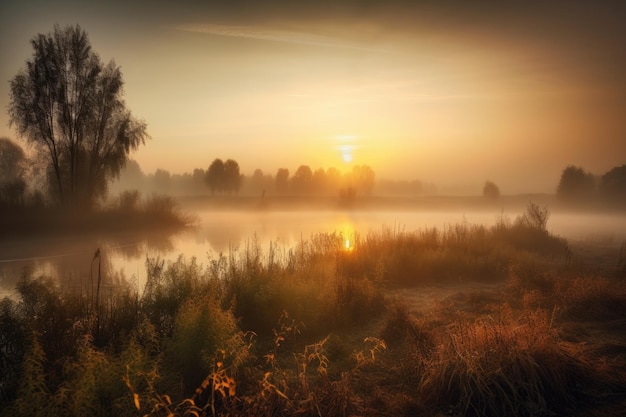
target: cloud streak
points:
(272, 35)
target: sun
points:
(345, 146)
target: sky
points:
(452, 93)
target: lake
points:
(71, 258)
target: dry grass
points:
(204, 339)
(505, 366)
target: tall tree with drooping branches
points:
(69, 105)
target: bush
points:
(201, 331)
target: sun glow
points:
(346, 147)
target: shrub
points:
(201, 331)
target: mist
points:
(278, 209)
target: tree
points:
(320, 181)
(364, 178)
(69, 105)
(257, 179)
(162, 180)
(215, 176)
(197, 179)
(282, 180)
(575, 184)
(613, 185)
(260, 182)
(302, 180)
(333, 175)
(491, 190)
(232, 177)
(12, 171)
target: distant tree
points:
(302, 180)
(215, 176)
(347, 195)
(12, 173)
(69, 105)
(491, 190)
(162, 180)
(282, 180)
(198, 176)
(131, 177)
(232, 177)
(258, 177)
(259, 182)
(12, 160)
(364, 178)
(404, 187)
(333, 177)
(575, 184)
(319, 181)
(613, 185)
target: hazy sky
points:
(452, 93)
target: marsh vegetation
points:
(459, 319)
(519, 324)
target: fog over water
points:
(69, 258)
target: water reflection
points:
(124, 255)
(70, 257)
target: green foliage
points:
(167, 289)
(58, 318)
(13, 339)
(201, 330)
(91, 383)
(33, 397)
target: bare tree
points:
(69, 105)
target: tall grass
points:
(459, 252)
(311, 332)
(505, 366)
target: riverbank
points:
(515, 324)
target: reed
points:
(203, 339)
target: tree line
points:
(225, 178)
(68, 106)
(578, 186)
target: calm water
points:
(70, 257)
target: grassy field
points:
(463, 321)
